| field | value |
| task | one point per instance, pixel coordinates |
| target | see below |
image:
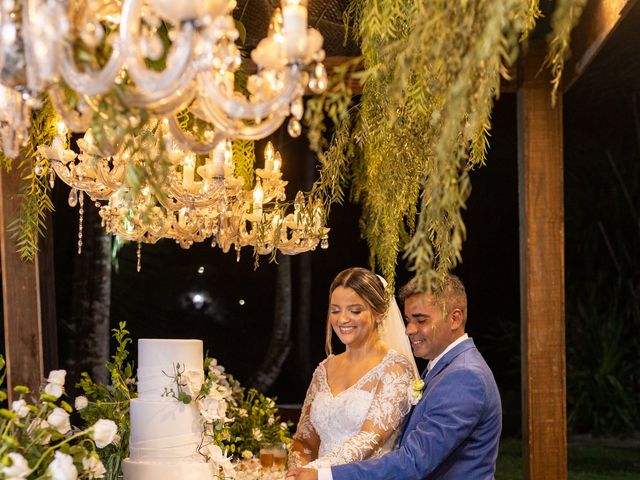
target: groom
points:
(453, 431)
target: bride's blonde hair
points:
(367, 285)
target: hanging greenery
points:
(431, 73)
(35, 204)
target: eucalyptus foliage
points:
(431, 73)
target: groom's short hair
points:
(450, 291)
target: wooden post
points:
(540, 174)
(21, 298)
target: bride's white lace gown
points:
(362, 421)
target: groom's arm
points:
(452, 410)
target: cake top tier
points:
(162, 354)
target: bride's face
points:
(351, 317)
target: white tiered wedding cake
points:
(165, 433)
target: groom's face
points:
(428, 331)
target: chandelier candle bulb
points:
(277, 162)
(218, 162)
(294, 14)
(258, 196)
(188, 170)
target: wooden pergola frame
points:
(29, 303)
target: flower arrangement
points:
(38, 440)
(256, 421)
(234, 419)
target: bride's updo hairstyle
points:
(368, 286)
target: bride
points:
(357, 400)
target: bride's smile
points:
(351, 318)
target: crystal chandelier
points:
(163, 60)
(202, 197)
(158, 55)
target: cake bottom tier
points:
(145, 470)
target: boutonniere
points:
(415, 391)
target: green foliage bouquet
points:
(111, 401)
(38, 440)
(256, 421)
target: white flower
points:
(194, 379)
(257, 434)
(212, 409)
(81, 403)
(59, 419)
(284, 426)
(20, 407)
(57, 377)
(62, 467)
(271, 403)
(247, 454)
(55, 383)
(19, 467)
(217, 457)
(54, 389)
(271, 420)
(93, 467)
(104, 432)
(242, 413)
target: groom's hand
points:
(302, 474)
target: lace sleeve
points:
(389, 406)
(306, 440)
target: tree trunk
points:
(280, 343)
(91, 301)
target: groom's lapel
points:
(428, 376)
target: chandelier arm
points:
(95, 191)
(240, 108)
(236, 128)
(194, 201)
(94, 82)
(112, 179)
(179, 57)
(165, 100)
(76, 121)
(186, 142)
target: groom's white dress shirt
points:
(325, 473)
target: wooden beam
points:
(540, 176)
(21, 298)
(598, 21)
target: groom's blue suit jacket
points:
(452, 433)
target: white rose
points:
(104, 432)
(212, 409)
(194, 381)
(20, 407)
(19, 467)
(62, 467)
(93, 467)
(81, 403)
(257, 434)
(57, 377)
(59, 419)
(54, 389)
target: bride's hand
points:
(302, 474)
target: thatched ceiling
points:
(324, 15)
